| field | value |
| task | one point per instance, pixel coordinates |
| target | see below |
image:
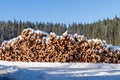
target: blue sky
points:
(63, 11)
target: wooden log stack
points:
(36, 46)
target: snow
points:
(61, 37)
(81, 37)
(38, 31)
(59, 71)
(35, 31)
(113, 48)
(65, 33)
(53, 34)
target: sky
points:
(63, 11)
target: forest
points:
(107, 29)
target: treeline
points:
(107, 29)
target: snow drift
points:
(58, 71)
(39, 46)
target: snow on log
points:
(39, 46)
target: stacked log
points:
(36, 46)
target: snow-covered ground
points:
(58, 71)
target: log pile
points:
(36, 46)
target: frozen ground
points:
(58, 71)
